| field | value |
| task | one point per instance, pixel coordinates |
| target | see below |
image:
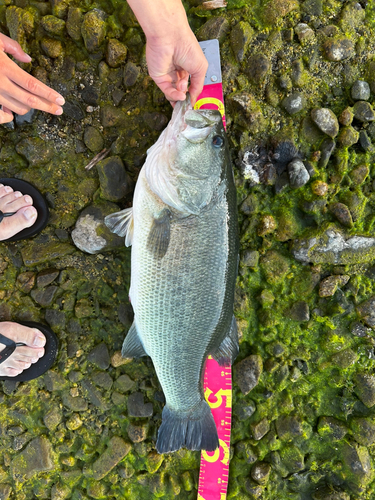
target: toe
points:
(31, 337)
(15, 201)
(9, 226)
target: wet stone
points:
(364, 140)
(358, 330)
(93, 395)
(116, 53)
(326, 149)
(73, 23)
(328, 493)
(54, 381)
(360, 91)
(363, 111)
(137, 433)
(247, 373)
(35, 150)
(332, 428)
(348, 136)
(240, 38)
(260, 429)
(45, 297)
(137, 407)
(90, 234)
(258, 66)
(124, 383)
(359, 174)
(255, 490)
(326, 121)
(366, 311)
(131, 73)
(100, 356)
(155, 120)
(53, 25)
(304, 33)
(365, 388)
(51, 47)
(93, 139)
(90, 96)
(73, 110)
(329, 285)
(357, 460)
(53, 418)
(299, 311)
(292, 459)
(110, 116)
(363, 430)
(37, 457)
(117, 96)
(215, 28)
(338, 49)
(115, 182)
(288, 427)
(298, 174)
(46, 277)
(20, 441)
(319, 188)
(346, 117)
(342, 213)
(261, 472)
(344, 358)
(294, 103)
(102, 379)
(244, 411)
(275, 266)
(250, 258)
(55, 319)
(116, 450)
(93, 29)
(25, 281)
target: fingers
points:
(14, 48)
(197, 81)
(6, 115)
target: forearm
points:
(159, 17)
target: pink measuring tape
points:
(217, 382)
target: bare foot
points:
(25, 214)
(23, 357)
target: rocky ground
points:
(299, 83)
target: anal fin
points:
(132, 346)
(228, 349)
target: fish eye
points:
(217, 141)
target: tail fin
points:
(195, 431)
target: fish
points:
(183, 229)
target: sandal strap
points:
(9, 349)
(2, 215)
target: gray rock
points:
(326, 121)
(137, 407)
(46, 277)
(365, 388)
(348, 136)
(93, 139)
(75, 404)
(363, 430)
(137, 433)
(258, 67)
(35, 150)
(299, 311)
(45, 297)
(26, 118)
(260, 429)
(110, 116)
(94, 396)
(93, 29)
(330, 245)
(338, 48)
(124, 383)
(116, 450)
(363, 111)
(90, 95)
(155, 120)
(261, 472)
(289, 427)
(73, 110)
(342, 213)
(216, 27)
(366, 311)
(240, 38)
(247, 373)
(332, 428)
(356, 460)
(37, 457)
(298, 174)
(250, 258)
(294, 103)
(53, 418)
(55, 319)
(358, 330)
(326, 149)
(115, 182)
(360, 91)
(54, 381)
(102, 379)
(365, 141)
(116, 53)
(100, 356)
(244, 411)
(90, 234)
(131, 73)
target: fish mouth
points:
(194, 125)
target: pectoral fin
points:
(159, 236)
(228, 349)
(132, 346)
(121, 223)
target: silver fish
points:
(184, 237)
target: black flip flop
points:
(39, 203)
(43, 364)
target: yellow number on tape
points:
(210, 100)
(227, 393)
(215, 457)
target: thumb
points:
(13, 48)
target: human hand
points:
(19, 91)
(171, 59)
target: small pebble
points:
(360, 91)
